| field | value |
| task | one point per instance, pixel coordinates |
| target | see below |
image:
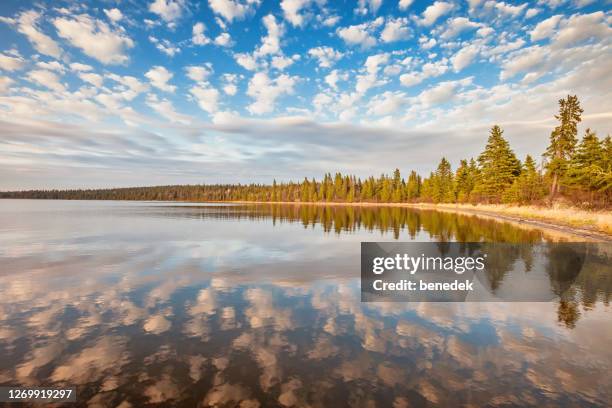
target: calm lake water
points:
(234, 305)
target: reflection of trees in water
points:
(438, 225)
(572, 288)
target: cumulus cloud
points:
(95, 38)
(270, 44)
(197, 34)
(92, 78)
(292, 11)
(224, 40)
(334, 77)
(434, 12)
(11, 62)
(199, 73)
(545, 28)
(457, 25)
(47, 79)
(206, 96)
(77, 66)
(360, 34)
(159, 77)
(365, 6)
(165, 46)
(113, 14)
(396, 29)
(168, 10)
(5, 83)
(265, 91)
(232, 10)
(165, 108)
(27, 24)
(443, 92)
(464, 57)
(404, 4)
(428, 70)
(327, 56)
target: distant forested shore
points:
(579, 172)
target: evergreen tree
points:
(528, 187)
(413, 187)
(443, 191)
(563, 140)
(498, 167)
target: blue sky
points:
(141, 92)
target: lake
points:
(259, 305)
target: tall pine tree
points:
(563, 141)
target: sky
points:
(147, 92)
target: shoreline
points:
(552, 220)
(514, 214)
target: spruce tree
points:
(498, 167)
(563, 140)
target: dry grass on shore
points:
(600, 220)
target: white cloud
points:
(51, 66)
(524, 60)
(113, 14)
(328, 21)
(224, 40)
(506, 8)
(387, 103)
(27, 24)
(545, 28)
(77, 66)
(199, 73)
(159, 77)
(206, 96)
(374, 62)
(434, 12)
(197, 34)
(232, 10)
(95, 38)
(169, 10)
(411, 79)
(333, 77)
(532, 12)
(360, 34)
(365, 6)
(404, 4)
(464, 57)
(230, 87)
(443, 92)
(281, 62)
(165, 108)
(395, 30)
(130, 87)
(428, 70)
(291, 11)
(427, 44)
(92, 78)
(47, 79)
(458, 25)
(270, 44)
(580, 27)
(10, 62)
(247, 61)
(165, 46)
(265, 91)
(327, 56)
(5, 83)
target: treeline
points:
(577, 171)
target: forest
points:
(571, 170)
